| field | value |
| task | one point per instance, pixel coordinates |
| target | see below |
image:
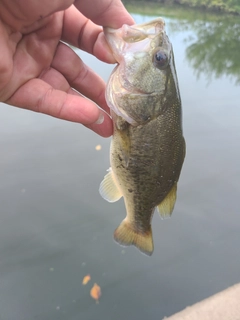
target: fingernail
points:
(100, 119)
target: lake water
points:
(55, 228)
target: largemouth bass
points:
(147, 148)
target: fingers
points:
(84, 34)
(74, 73)
(81, 32)
(79, 76)
(55, 79)
(21, 14)
(39, 96)
(107, 13)
(33, 53)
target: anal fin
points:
(165, 208)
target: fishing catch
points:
(147, 149)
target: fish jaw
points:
(132, 38)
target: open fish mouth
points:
(136, 36)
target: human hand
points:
(40, 73)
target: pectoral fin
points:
(165, 208)
(108, 188)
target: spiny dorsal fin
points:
(108, 188)
(127, 235)
(165, 208)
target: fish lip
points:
(118, 39)
(115, 42)
(109, 34)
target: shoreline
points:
(183, 4)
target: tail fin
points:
(126, 235)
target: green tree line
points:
(229, 6)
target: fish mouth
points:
(116, 39)
(136, 36)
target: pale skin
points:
(38, 72)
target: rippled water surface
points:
(55, 228)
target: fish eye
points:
(160, 59)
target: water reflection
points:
(213, 47)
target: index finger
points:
(106, 13)
(81, 32)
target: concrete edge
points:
(224, 305)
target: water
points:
(55, 228)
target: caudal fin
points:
(126, 235)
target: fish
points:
(147, 148)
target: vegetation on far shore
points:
(226, 6)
